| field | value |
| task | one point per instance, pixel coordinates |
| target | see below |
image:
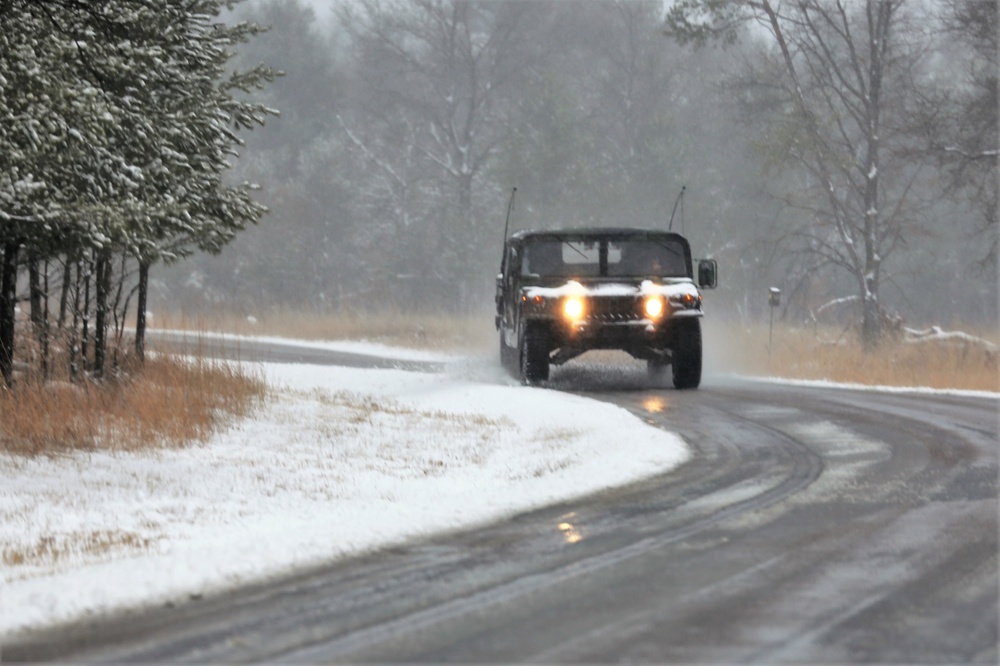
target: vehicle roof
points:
(593, 232)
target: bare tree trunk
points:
(35, 294)
(879, 24)
(84, 280)
(74, 343)
(8, 300)
(118, 309)
(102, 287)
(64, 291)
(140, 315)
(46, 328)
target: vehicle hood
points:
(666, 288)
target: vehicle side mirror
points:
(708, 273)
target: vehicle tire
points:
(534, 355)
(687, 354)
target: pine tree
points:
(119, 119)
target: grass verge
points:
(793, 353)
(796, 353)
(168, 402)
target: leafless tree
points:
(835, 75)
(436, 72)
(962, 119)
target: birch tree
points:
(836, 80)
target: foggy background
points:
(402, 133)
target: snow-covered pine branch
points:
(126, 119)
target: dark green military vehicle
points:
(563, 292)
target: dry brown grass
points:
(94, 543)
(827, 355)
(167, 402)
(796, 353)
(418, 331)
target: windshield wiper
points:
(671, 248)
(575, 249)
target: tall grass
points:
(795, 353)
(167, 402)
(805, 353)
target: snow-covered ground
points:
(340, 461)
(878, 388)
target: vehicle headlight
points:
(653, 307)
(574, 308)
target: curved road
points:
(812, 525)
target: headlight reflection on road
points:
(570, 533)
(654, 404)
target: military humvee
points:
(563, 292)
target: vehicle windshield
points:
(605, 258)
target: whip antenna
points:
(506, 227)
(510, 207)
(679, 197)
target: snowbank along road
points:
(816, 525)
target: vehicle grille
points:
(614, 309)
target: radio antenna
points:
(506, 227)
(510, 207)
(679, 197)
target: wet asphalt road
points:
(811, 526)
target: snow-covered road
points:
(340, 461)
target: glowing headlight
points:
(573, 308)
(653, 307)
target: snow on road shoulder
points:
(361, 347)
(341, 461)
(875, 388)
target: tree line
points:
(856, 116)
(120, 119)
(843, 151)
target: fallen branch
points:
(936, 334)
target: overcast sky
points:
(323, 8)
